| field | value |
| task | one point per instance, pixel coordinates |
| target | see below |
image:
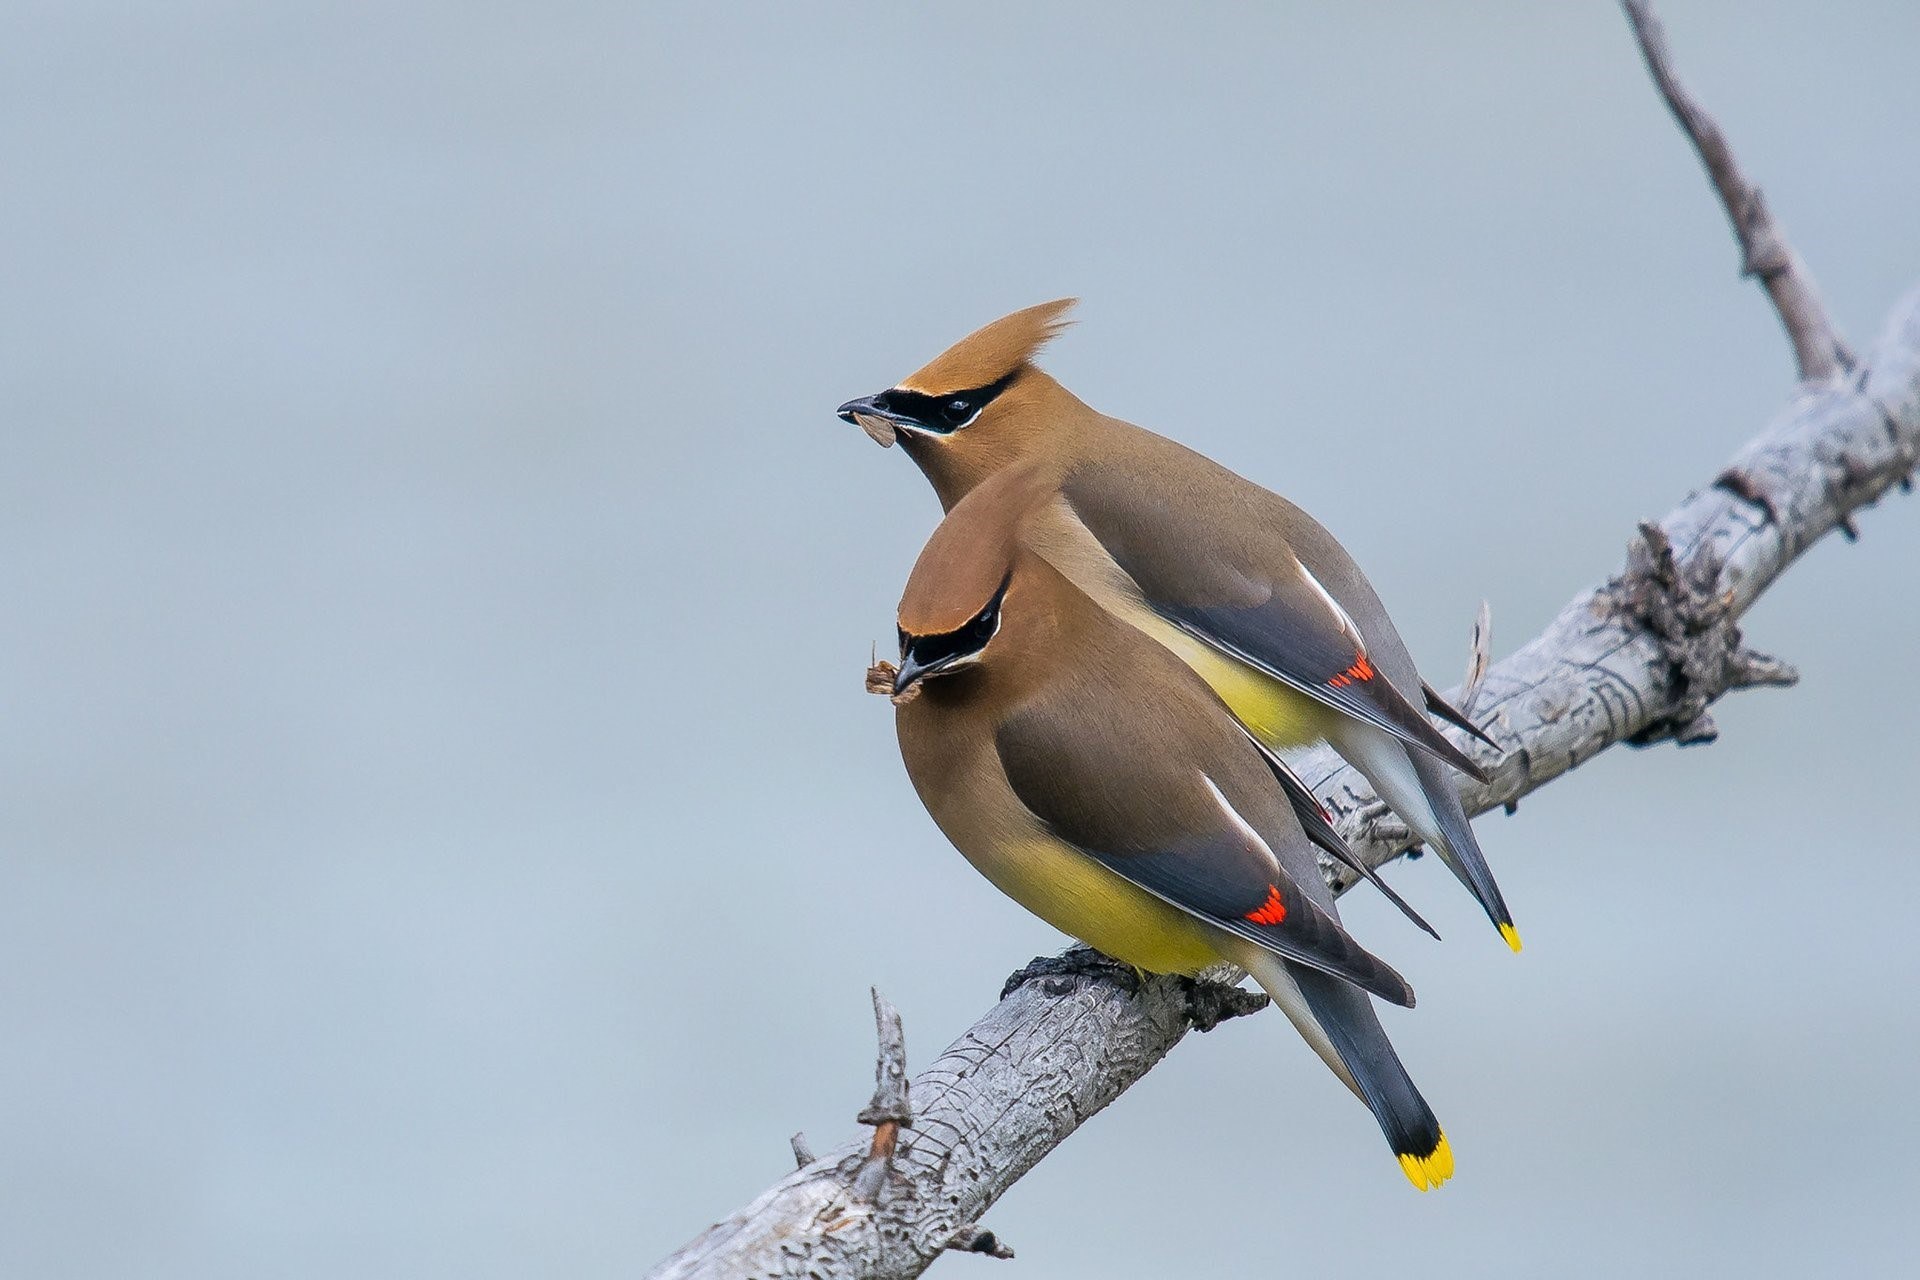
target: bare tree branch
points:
(1637, 659)
(1764, 252)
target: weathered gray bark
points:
(1638, 659)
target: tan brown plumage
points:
(1095, 779)
(991, 352)
(1245, 587)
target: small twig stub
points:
(1479, 657)
(974, 1238)
(890, 1103)
(890, 1110)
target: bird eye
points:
(957, 410)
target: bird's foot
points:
(1071, 970)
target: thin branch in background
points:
(1818, 348)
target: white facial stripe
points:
(944, 430)
(1240, 824)
(1340, 615)
(999, 620)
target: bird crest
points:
(971, 556)
(989, 354)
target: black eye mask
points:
(931, 654)
(941, 415)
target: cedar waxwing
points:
(1099, 782)
(1244, 586)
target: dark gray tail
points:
(1346, 1015)
(1462, 856)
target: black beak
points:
(870, 407)
(882, 425)
(912, 671)
(863, 405)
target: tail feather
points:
(1338, 1020)
(1454, 716)
(1354, 1029)
(1315, 821)
(1421, 791)
(1459, 849)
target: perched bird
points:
(1244, 586)
(1100, 783)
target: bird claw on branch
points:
(1208, 1000)
(1070, 971)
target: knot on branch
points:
(1854, 483)
(1764, 255)
(1847, 480)
(1743, 484)
(1211, 1003)
(1682, 605)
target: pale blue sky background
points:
(441, 831)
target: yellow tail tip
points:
(1429, 1171)
(1512, 935)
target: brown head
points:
(977, 597)
(980, 406)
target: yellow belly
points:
(1276, 713)
(1078, 896)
